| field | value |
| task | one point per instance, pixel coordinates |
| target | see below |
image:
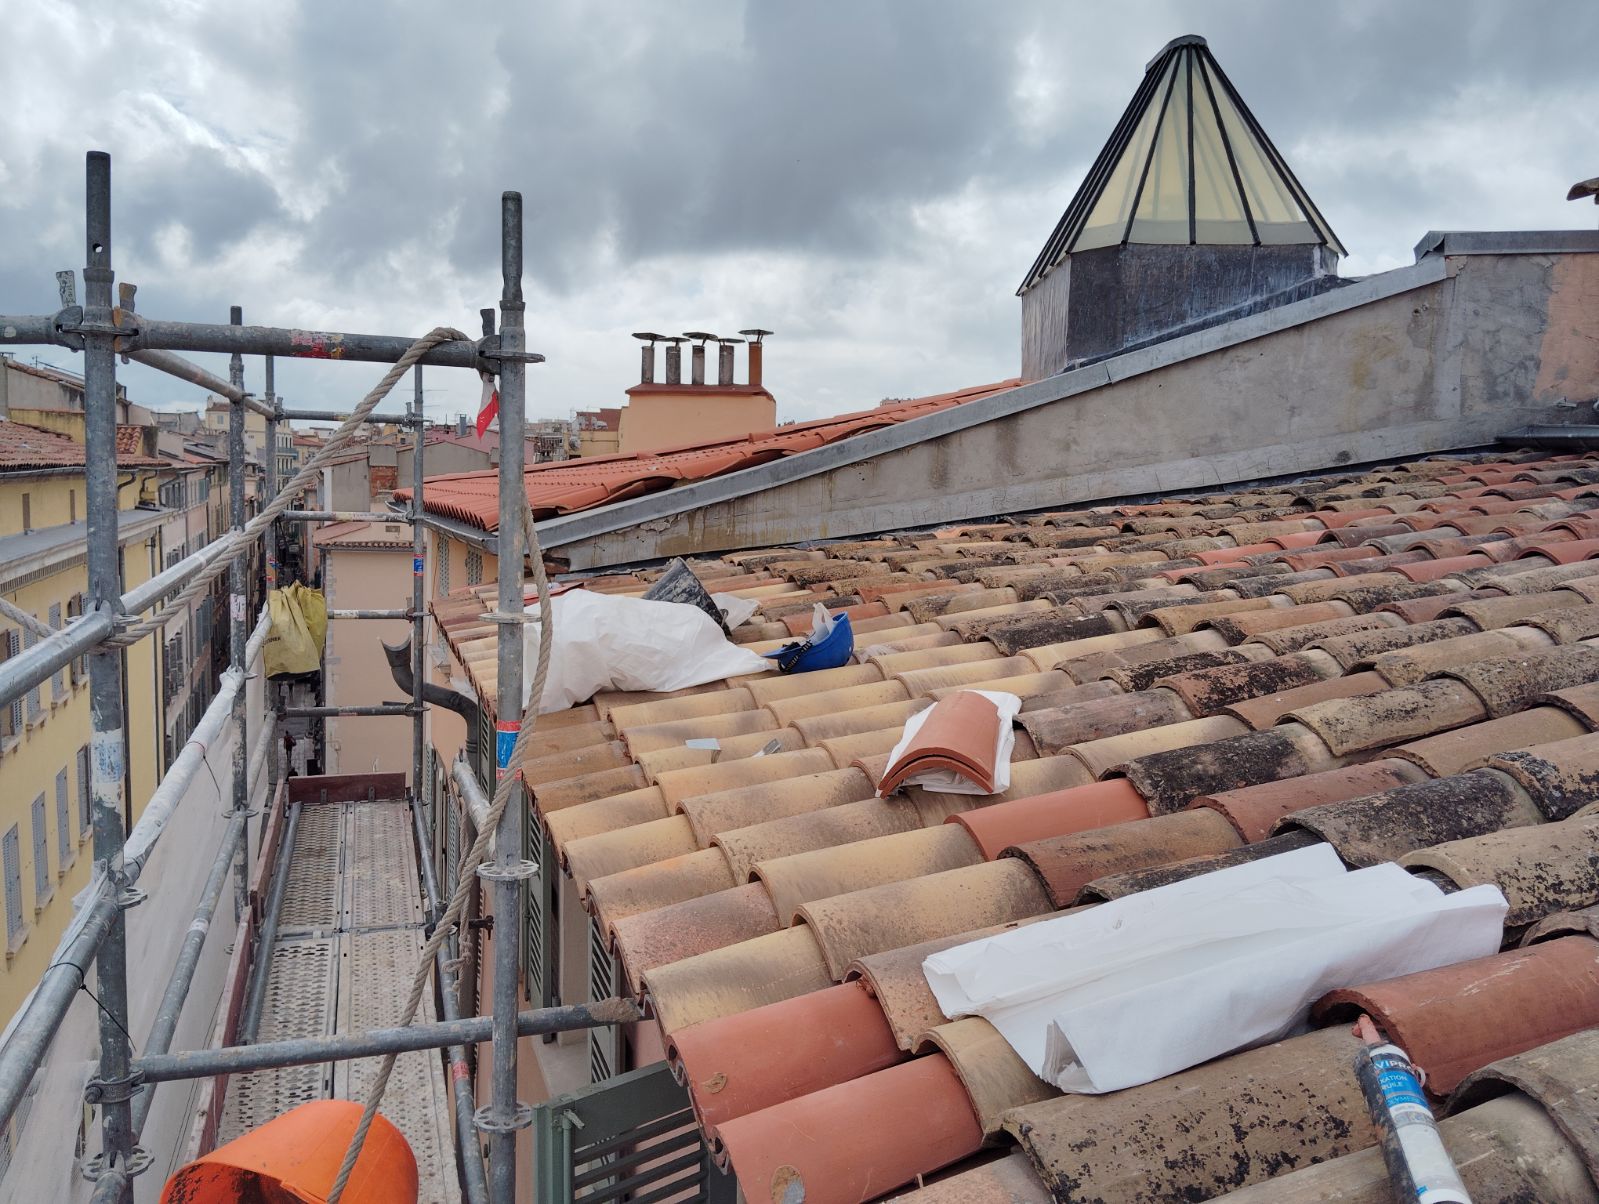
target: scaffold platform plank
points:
(350, 936)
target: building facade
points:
(44, 737)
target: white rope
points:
(24, 620)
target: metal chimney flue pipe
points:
(724, 361)
(697, 363)
(646, 371)
(756, 336)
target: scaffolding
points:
(123, 1085)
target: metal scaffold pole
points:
(269, 541)
(113, 1083)
(505, 1115)
(418, 616)
(269, 547)
(116, 618)
(238, 620)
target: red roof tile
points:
(661, 836)
(23, 447)
(563, 487)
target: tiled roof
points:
(362, 534)
(24, 447)
(1402, 663)
(130, 441)
(47, 372)
(562, 487)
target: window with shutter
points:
(443, 586)
(58, 682)
(11, 856)
(11, 717)
(43, 888)
(85, 825)
(79, 668)
(64, 844)
(35, 700)
(474, 567)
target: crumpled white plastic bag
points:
(735, 611)
(1133, 990)
(605, 642)
(947, 781)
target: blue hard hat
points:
(833, 650)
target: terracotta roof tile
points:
(24, 447)
(1205, 1131)
(1457, 1019)
(674, 849)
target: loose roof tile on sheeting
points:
(1151, 750)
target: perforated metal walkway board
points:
(349, 938)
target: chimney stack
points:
(674, 360)
(755, 335)
(724, 361)
(697, 370)
(461, 426)
(646, 372)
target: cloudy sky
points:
(868, 178)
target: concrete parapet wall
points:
(1449, 353)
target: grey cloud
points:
(804, 136)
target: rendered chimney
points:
(697, 369)
(461, 426)
(724, 361)
(755, 335)
(646, 372)
(674, 360)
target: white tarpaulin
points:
(1153, 983)
(604, 642)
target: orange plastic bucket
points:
(295, 1158)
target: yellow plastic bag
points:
(299, 619)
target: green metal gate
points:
(631, 1138)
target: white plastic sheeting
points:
(947, 781)
(735, 611)
(604, 642)
(1156, 982)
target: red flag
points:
(489, 406)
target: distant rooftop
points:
(566, 486)
(28, 447)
